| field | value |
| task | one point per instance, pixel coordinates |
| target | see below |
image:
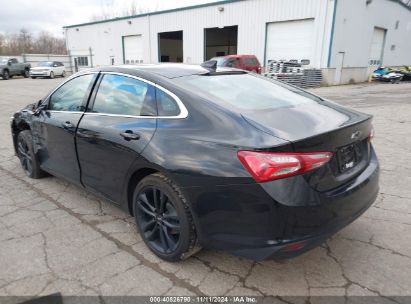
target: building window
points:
(82, 61)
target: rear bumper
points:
(294, 247)
(256, 221)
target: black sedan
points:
(204, 157)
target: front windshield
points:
(220, 61)
(45, 64)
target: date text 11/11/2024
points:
(203, 299)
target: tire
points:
(166, 224)
(63, 74)
(6, 75)
(26, 155)
(51, 75)
(26, 74)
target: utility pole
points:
(91, 57)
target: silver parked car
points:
(48, 69)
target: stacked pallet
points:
(293, 72)
(312, 78)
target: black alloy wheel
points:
(24, 155)
(6, 75)
(158, 220)
(164, 219)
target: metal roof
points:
(182, 9)
(154, 13)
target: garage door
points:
(377, 45)
(290, 40)
(133, 49)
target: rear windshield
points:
(246, 91)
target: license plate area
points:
(349, 156)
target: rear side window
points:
(123, 95)
(233, 63)
(245, 91)
(166, 104)
(251, 61)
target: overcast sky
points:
(52, 15)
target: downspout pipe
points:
(332, 34)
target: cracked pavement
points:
(54, 236)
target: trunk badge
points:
(356, 135)
(349, 165)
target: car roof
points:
(167, 70)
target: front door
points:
(57, 127)
(114, 131)
(14, 67)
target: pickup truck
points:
(10, 67)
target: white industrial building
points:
(344, 38)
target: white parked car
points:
(48, 69)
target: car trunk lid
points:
(321, 127)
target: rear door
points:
(114, 131)
(249, 64)
(61, 67)
(58, 69)
(58, 123)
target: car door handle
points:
(129, 135)
(67, 125)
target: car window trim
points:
(73, 112)
(86, 98)
(180, 104)
(47, 99)
(183, 110)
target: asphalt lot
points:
(56, 237)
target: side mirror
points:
(39, 107)
(9, 63)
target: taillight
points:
(372, 134)
(267, 166)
